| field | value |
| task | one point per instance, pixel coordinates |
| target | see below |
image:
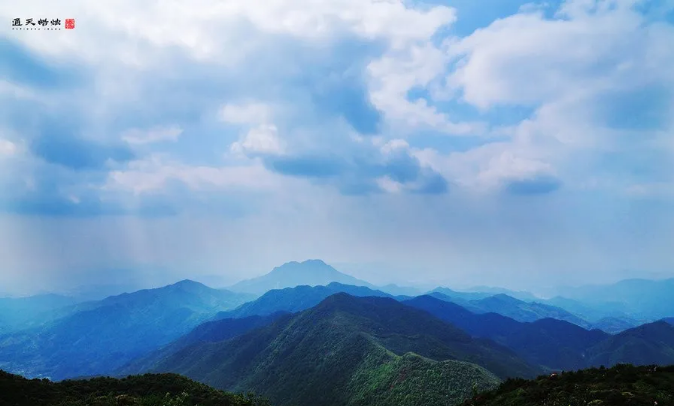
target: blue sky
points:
(512, 143)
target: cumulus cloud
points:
(157, 134)
(7, 147)
(154, 174)
(262, 139)
(348, 104)
(248, 113)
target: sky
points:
(495, 142)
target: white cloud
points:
(153, 175)
(7, 148)
(209, 29)
(262, 139)
(560, 68)
(394, 145)
(157, 134)
(528, 59)
(247, 113)
(396, 73)
(389, 185)
(18, 92)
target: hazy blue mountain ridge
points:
(98, 337)
(311, 272)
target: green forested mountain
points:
(622, 385)
(98, 337)
(347, 351)
(208, 332)
(145, 390)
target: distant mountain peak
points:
(502, 297)
(187, 282)
(315, 262)
(188, 285)
(309, 266)
(312, 272)
(650, 328)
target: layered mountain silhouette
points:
(553, 344)
(296, 299)
(349, 350)
(331, 339)
(649, 344)
(615, 325)
(97, 337)
(559, 345)
(507, 306)
(635, 298)
(311, 272)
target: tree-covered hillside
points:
(351, 351)
(622, 385)
(145, 390)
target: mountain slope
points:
(208, 332)
(649, 344)
(524, 311)
(517, 294)
(311, 272)
(555, 344)
(507, 306)
(101, 336)
(622, 385)
(342, 351)
(615, 325)
(296, 299)
(146, 390)
(26, 312)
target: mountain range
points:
(636, 298)
(96, 337)
(559, 345)
(508, 306)
(321, 342)
(553, 344)
(349, 350)
(296, 299)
